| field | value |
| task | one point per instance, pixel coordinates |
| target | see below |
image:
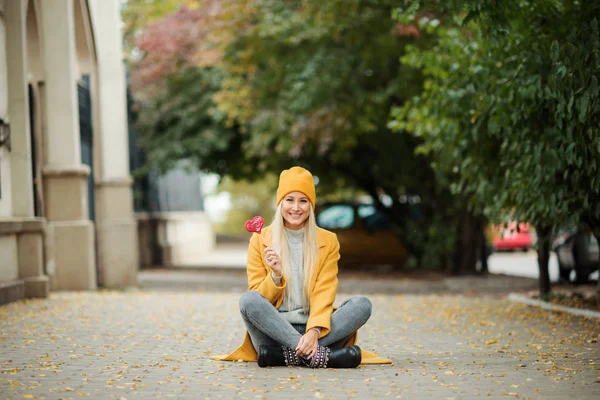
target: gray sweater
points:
(293, 310)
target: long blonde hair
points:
(310, 249)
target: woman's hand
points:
(307, 346)
(272, 259)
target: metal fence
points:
(177, 190)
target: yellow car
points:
(364, 234)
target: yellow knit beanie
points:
(296, 179)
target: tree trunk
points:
(458, 249)
(484, 255)
(484, 252)
(543, 250)
(468, 244)
(596, 232)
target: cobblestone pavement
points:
(143, 344)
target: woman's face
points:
(295, 208)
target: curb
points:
(519, 298)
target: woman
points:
(292, 281)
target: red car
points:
(511, 239)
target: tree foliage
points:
(482, 108)
(513, 122)
(510, 111)
(305, 83)
(138, 15)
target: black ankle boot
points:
(348, 357)
(276, 356)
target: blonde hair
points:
(310, 249)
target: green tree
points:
(305, 83)
(510, 111)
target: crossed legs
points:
(267, 326)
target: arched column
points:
(24, 228)
(65, 177)
(18, 109)
(116, 226)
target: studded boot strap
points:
(291, 358)
(320, 359)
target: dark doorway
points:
(37, 209)
(87, 138)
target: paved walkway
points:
(134, 344)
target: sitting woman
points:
(292, 281)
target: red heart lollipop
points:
(255, 224)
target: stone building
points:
(66, 213)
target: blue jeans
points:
(266, 326)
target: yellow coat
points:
(323, 288)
